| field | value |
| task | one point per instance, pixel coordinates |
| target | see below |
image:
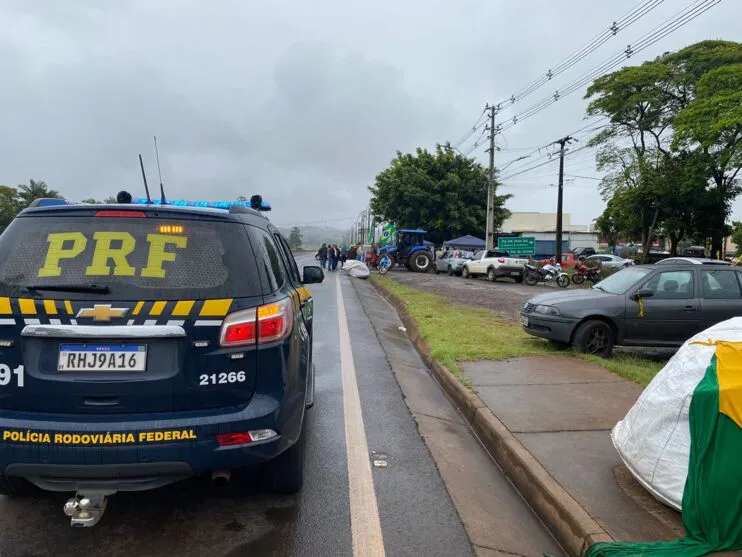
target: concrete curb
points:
(567, 520)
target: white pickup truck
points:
(494, 264)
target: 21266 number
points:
(222, 378)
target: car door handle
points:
(689, 308)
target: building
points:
(542, 227)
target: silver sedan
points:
(609, 261)
(452, 262)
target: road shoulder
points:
(541, 457)
(496, 518)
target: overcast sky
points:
(303, 102)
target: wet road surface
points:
(401, 506)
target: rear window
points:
(137, 258)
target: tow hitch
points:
(86, 508)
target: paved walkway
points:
(562, 409)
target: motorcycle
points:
(548, 273)
(586, 272)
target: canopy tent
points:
(468, 241)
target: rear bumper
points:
(143, 454)
(509, 271)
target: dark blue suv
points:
(142, 344)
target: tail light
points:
(501, 260)
(268, 323)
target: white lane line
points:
(365, 525)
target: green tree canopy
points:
(35, 189)
(442, 191)
(9, 205)
(674, 139)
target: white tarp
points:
(356, 269)
(653, 439)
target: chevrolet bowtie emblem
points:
(101, 312)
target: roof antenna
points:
(144, 177)
(162, 190)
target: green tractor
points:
(410, 250)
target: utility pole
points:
(490, 233)
(562, 142)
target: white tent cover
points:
(653, 439)
(356, 269)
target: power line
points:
(570, 153)
(622, 23)
(679, 20)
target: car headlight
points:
(546, 310)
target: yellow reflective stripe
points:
(215, 308)
(50, 307)
(157, 308)
(137, 308)
(27, 306)
(304, 293)
(5, 308)
(729, 378)
(68, 307)
(183, 308)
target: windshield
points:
(126, 259)
(622, 281)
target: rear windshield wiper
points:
(92, 288)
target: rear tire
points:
(421, 261)
(450, 271)
(491, 275)
(465, 273)
(595, 337)
(530, 278)
(12, 486)
(519, 279)
(288, 467)
(562, 281)
(578, 279)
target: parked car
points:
(452, 262)
(692, 261)
(494, 264)
(641, 305)
(582, 253)
(609, 261)
(568, 260)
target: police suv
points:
(145, 343)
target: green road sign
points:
(518, 245)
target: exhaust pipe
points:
(221, 477)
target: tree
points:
(443, 192)
(737, 236)
(35, 190)
(680, 117)
(295, 238)
(9, 205)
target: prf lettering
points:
(97, 439)
(110, 253)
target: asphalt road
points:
(391, 469)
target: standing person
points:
(323, 255)
(353, 252)
(343, 254)
(331, 254)
(336, 259)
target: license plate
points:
(102, 357)
(514, 273)
(524, 320)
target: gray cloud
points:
(304, 103)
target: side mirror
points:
(312, 275)
(643, 293)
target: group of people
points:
(330, 256)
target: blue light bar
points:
(207, 204)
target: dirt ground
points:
(504, 295)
